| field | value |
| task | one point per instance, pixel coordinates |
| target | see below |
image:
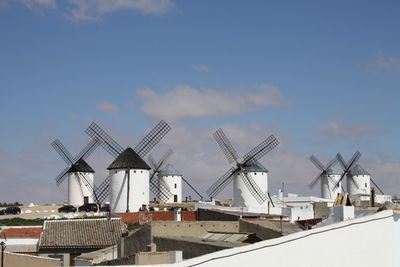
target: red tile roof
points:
(23, 232)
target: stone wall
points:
(192, 229)
(18, 260)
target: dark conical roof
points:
(170, 170)
(358, 170)
(129, 159)
(81, 166)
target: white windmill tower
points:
(358, 181)
(328, 177)
(250, 179)
(128, 182)
(167, 178)
(173, 179)
(80, 174)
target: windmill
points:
(165, 194)
(79, 173)
(328, 178)
(250, 188)
(346, 170)
(126, 193)
(169, 179)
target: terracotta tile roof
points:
(23, 232)
(81, 233)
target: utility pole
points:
(3, 247)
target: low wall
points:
(143, 217)
(18, 260)
(136, 242)
(189, 249)
(192, 229)
(259, 230)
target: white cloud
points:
(186, 102)
(332, 131)
(81, 10)
(107, 108)
(201, 68)
(34, 5)
(382, 63)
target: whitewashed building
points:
(173, 180)
(129, 182)
(242, 197)
(80, 183)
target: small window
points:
(175, 185)
(255, 173)
(134, 171)
(365, 185)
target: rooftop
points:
(169, 170)
(81, 233)
(22, 232)
(358, 170)
(129, 159)
(81, 166)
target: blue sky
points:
(320, 75)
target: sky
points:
(321, 76)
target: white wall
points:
(78, 188)
(138, 189)
(301, 212)
(363, 184)
(171, 181)
(366, 241)
(242, 197)
(329, 189)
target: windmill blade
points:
(348, 166)
(226, 146)
(87, 150)
(157, 166)
(341, 161)
(252, 186)
(152, 162)
(317, 163)
(165, 158)
(314, 182)
(353, 160)
(61, 177)
(221, 183)
(105, 140)
(331, 164)
(102, 190)
(62, 151)
(270, 199)
(263, 148)
(201, 197)
(160, 191)
(90, 187)
(377, 186)
(164, 185)
(152, 138)
(354, 182)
